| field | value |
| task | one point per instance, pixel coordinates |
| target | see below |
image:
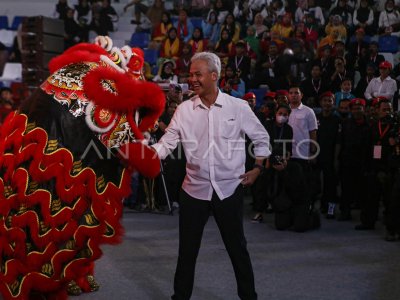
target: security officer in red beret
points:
(379, 178)
(354, 158)
(327, 138)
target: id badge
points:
(271, 73)
(377, 152)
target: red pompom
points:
(141, 158)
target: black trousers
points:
(393, 214)
(228, 214)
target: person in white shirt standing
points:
(304, 147)
(382, 86)
(212, 128)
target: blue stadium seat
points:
(150, 56)
(260, 92)
(196, 22)
(3, 22)
(140, 39)
(388, 43)
(16, 21)
(367, 39)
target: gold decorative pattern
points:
(47, 269)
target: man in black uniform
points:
(393, 214)
(327, 137)
(354, 157)
(379, 179)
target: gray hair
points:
(212, 60)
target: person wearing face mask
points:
(284, 183)
(281, 134)
(327, 138)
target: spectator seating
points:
(260, 92)
(367, 39)
(196, 21)
(7, 37)
(16, 22)
(151, 56)
(3, 22)
(120, 35)
(12, 72)
(119, 43)
(140, 39)
(388, 56)
(126, 27)
(388, 43)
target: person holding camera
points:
(281, 134)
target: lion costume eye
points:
(99, 120)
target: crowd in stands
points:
(325, 52)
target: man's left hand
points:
(250, 177)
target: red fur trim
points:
(124, 84)
(131, 94)
(78, 195)
(78, 53)
(141, 158)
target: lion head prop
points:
(65, 166)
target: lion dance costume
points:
(66, 161)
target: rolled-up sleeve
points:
(253, 128)
(171, 137)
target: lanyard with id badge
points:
(378, 146)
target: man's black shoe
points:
(364, 227)
(136, 22)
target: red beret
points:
(357, 101)
(282, 93)
(248, 96)
(327, 94)
(377, 100)
(270, 94)
(385, 65)
(360, 30)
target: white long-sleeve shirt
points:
(377, 87)
(213, 140)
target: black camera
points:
(276, 160)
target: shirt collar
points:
(218, 102)
(300, 107)
(387, 78)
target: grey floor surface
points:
(332, 263)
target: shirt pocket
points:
(300, 121)
(227, 127)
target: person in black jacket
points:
(369, 74)
(281, 134)
(380, 179)
(372, 56)
(327, 137)
(314, 86)
(354, 157)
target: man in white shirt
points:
(382, 86)
(304, 145)
(212, 128)
(304, 124)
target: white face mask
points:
(281, 119)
